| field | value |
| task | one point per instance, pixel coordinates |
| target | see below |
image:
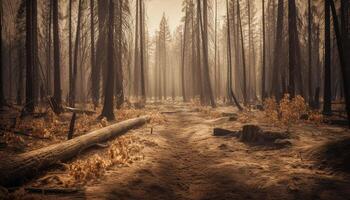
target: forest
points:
(175, 99)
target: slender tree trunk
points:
(199, 60)
(327, 98)
(109, 88)
(48, 51)
(94, 79)
(183, 56)
(70, 59)
(136, 54)
(310, 52)
(142, 70)
(204, 31)
(243, 55)
(277, 65)
(231, 95)
(56, 47)
(2, 97)
(29, 105)
(215, 49)
(119, 90)
(75, 58)
(263, 76)
(292, 46)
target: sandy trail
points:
(184, 161)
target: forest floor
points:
(178, 157)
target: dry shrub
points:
(315, 117)
(123, 151)
(292, 109)
(12, 140)
(271, 110)
(287, 112)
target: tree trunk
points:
(345, 21)
(29, 105)
(342, 48)
(109, 88)
(94, 83)
(183, 56)
(72, 91)
(15, 170)
(56, 47)
(231, 94)
(264, 55)
(292, 46)
(204, 30)
(310, 97)
(327, 94)
(243, 55)
(142, 70)
(119, 73)
(137, 51)
(277, 65)
(2, 97)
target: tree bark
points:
(310, 97)
(56, 47)
(15, 170)
(109, 87)
(327, 94)
(29, 104)
(183, 56)
(243, 55)
(263, 54)
(142, 70)
(204, 30)
(2, 97)
(72, 91)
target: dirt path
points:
(184, 161)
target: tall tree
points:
(2, 97)
(263, 72)
(107, 110)
(29, 104)
(56, 48)
(342, 44)
(310, 96)
(142, 43)
(277, 64)
(293, 55)
(327, 94)
(204, 31)
(345, 29)
(243, 54)
(94, 70)
(75, 58)
(183, 49)
(230, 94)
(70, 50)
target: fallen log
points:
(17, 169)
